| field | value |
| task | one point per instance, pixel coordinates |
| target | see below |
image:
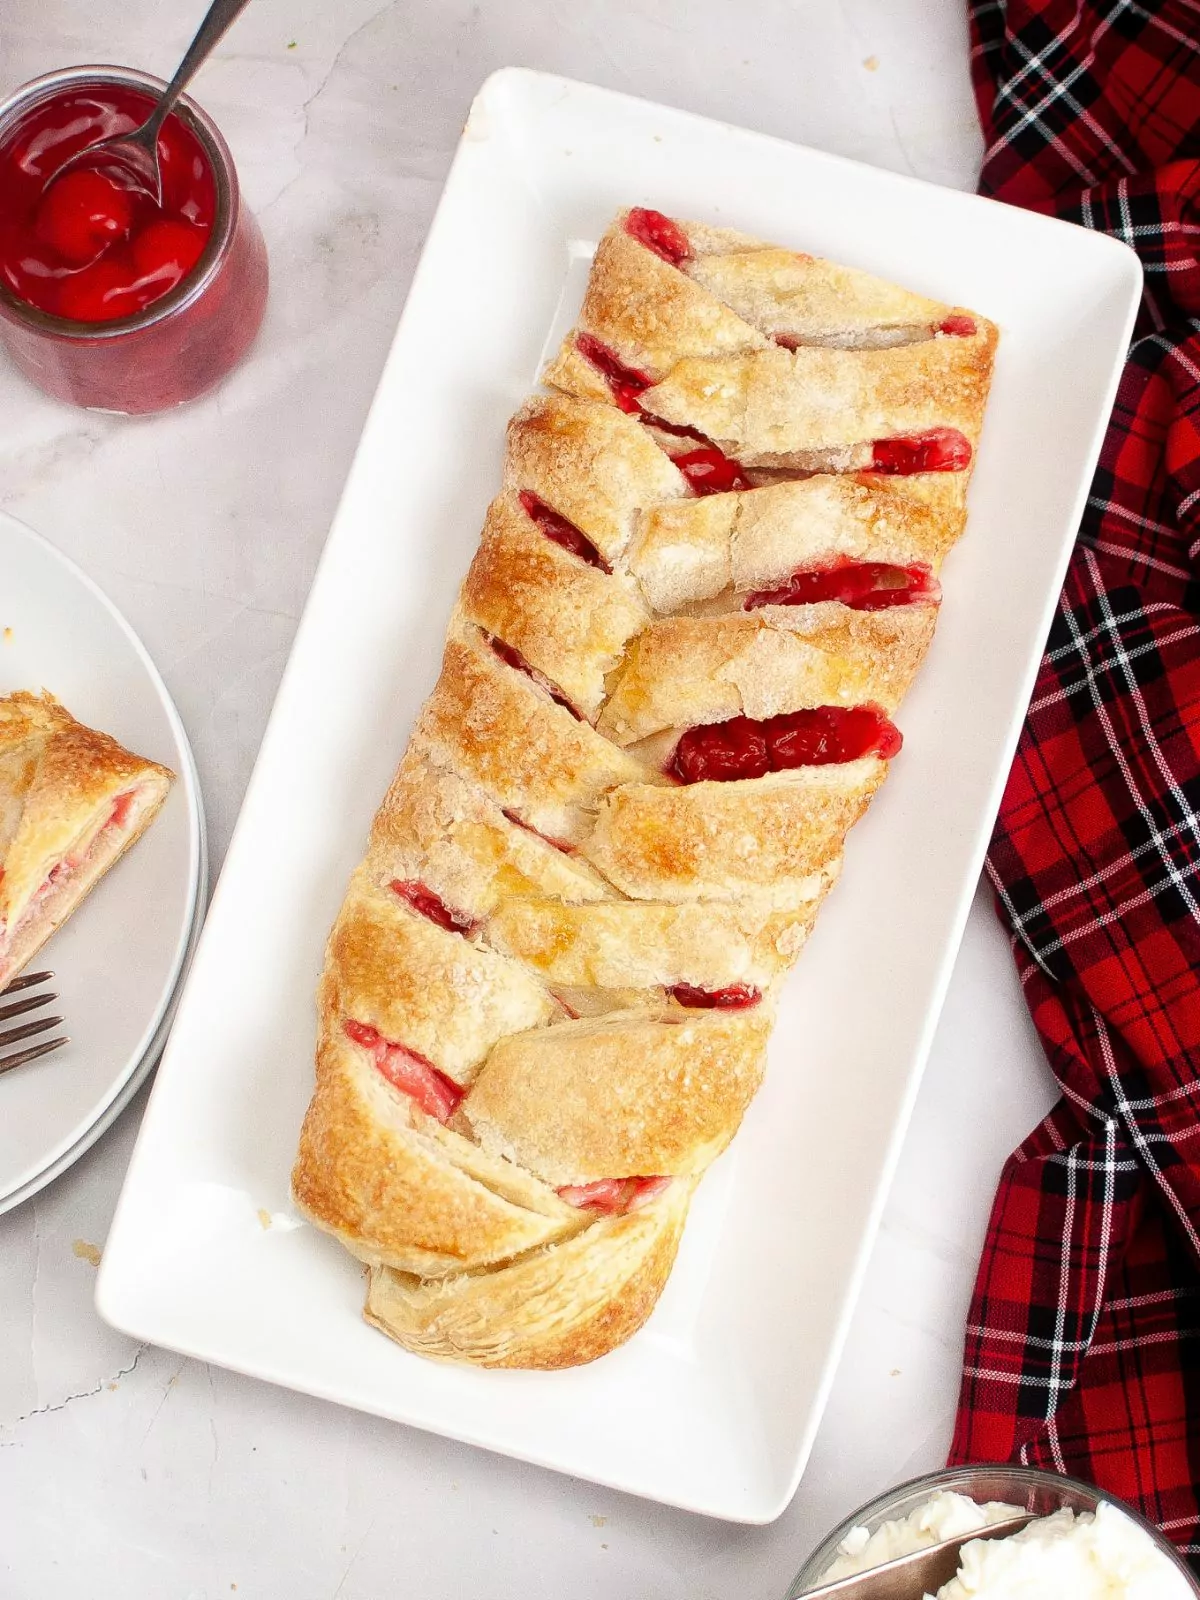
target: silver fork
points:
(27, 1030)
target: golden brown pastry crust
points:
(640, 945)
(443, 995)
(559, 1307)
(592, 464)
(694, 550)
(779, 836)
(652, 315)
(777, 408)
(547, 996)
(63, 811)
(397, 1188)
(684, 671)
(569, 620)
(784, 292)
(437, 828)
(620, 1096)
(498, 728)
(777, 356)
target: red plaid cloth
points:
(1083, 1342)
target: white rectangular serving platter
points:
(714, 1405)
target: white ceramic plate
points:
(715, 1404)
(118, 961)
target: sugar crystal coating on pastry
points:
(709, 577)
(72, 801)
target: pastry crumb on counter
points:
(264, 1218)
(86, 1252)
(872, 63)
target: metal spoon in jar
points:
(136, 153)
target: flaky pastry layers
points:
(700, 596)
(72, 801)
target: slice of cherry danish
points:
(669, 691)
(72, 801)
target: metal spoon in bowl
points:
(136, 153)
(921, 1572)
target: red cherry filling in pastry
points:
(122, 805)
(564, 533)
(427, 904)
(861, 585)
(612, 1196)
(658, 233)
(711, 471)
(935, 450)
(737, 997)
(625, 382)
(57, 871)
(436, 1094)
(514, 659)
(722, 752)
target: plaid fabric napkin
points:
(1083, 1341)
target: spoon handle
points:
(218, 19)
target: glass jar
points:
(1028, 1487)
(178, 345)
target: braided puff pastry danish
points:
(700, 596)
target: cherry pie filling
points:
(427, 904)
(626, 383)
(736, 997)
(710, 471)
(514, 659)
(564, 533)
(88, 246)
(658, 233)
(613, 1197)
(436, 1094)
(742, 747)
(122, 805)
(935, 450)
(861, 585)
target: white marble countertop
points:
(126, 1471)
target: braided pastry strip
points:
(705, 585)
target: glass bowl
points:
(179, 345)
(1036, 1491)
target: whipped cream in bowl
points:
(1081, 1545)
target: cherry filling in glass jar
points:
(107, 298)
